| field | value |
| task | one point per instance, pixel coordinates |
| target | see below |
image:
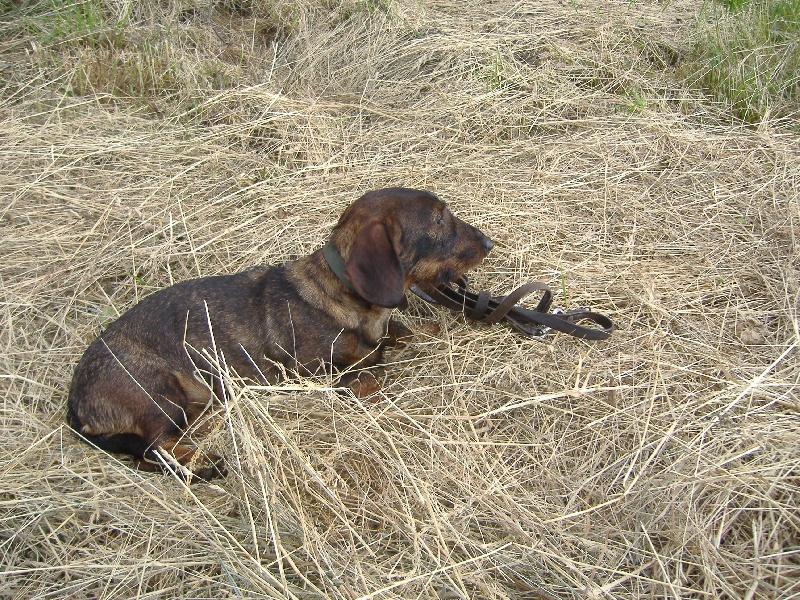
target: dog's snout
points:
(488, 244)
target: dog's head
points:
(394, 237)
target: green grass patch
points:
(747, 55)
(79, 22)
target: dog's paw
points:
(207, 467)
(147, 466)
(212, 471)
(400, 335)
(364, 385)
(430, 329)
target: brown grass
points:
(168, 141)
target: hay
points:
(661, 463)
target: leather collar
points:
(336, 263)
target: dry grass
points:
(662, 463)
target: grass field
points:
(144, 143)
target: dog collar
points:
(336, 263)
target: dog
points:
(150, 374)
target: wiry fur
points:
(150, 374)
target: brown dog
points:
(151, 373)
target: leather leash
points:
(482, 306)
(536, 323)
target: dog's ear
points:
(374, 268)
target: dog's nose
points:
(487, 244)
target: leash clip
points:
(539, 333)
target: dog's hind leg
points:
(171, 442)
(175, 450)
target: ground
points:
(147, 143)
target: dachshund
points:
(151, 373)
